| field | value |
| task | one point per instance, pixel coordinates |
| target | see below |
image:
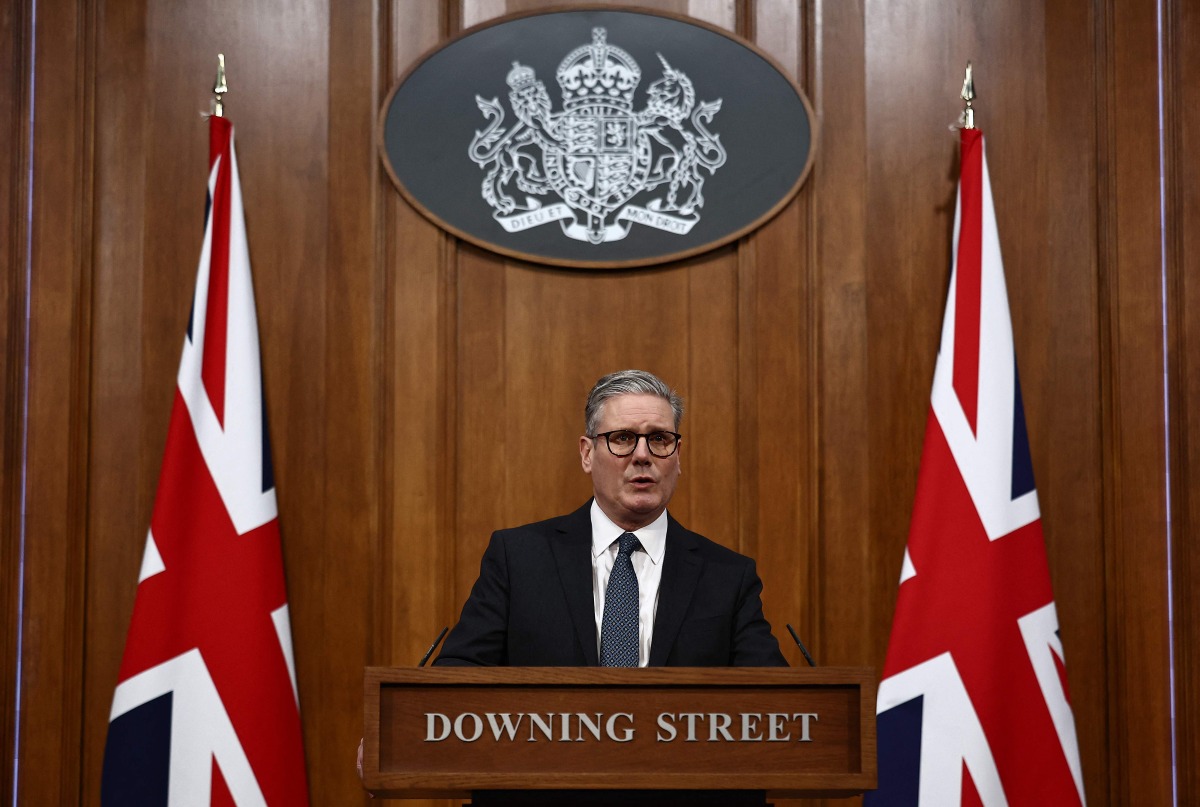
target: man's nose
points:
(641, 449)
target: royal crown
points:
(598, 72)
(521, 77)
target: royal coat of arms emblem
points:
(598, 167)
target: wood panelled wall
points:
(423, 392)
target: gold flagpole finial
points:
(219, 88)
(967, 119)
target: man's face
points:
(631, 490)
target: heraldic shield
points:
(598, 154)
(604, 165)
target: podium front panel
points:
(447, 731)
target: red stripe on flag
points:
(220, 795)
(969, 269)
(216, 318)
(970, 793)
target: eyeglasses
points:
(623, 442)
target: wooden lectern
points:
(523, 735)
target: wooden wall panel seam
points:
(1182, 411)
(812, 85)
(1137, 594)
(58, 385)
(14, 97)
(382, 648)
(746, 22)
(381, 631)
(748, 425)
(451, 499)
(75, 631)
(814, 381)
(1109, 420)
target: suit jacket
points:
(532, 605)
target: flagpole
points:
(967, 119)
(973, 705)
(220, 88)
(209, 656)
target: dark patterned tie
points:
(619, 629)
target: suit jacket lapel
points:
(572, 546)
(681, 572)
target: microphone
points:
(446, 629)
(795, 638)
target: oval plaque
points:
(597, 138)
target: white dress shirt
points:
(647, 566)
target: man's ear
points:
(586, 446)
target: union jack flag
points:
(973, 707)
(206, 710)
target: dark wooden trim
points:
(1106, 195)
(56, 496)
(1136, 535)
(1181, 58)
(15, 110)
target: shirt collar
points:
(653, 536)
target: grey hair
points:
(628, 382)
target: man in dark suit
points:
(618, 582)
